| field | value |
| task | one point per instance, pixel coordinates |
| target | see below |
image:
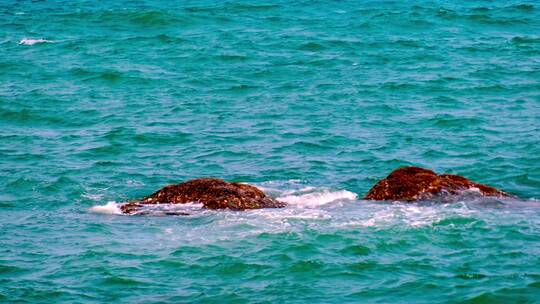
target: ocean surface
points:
(314, 102)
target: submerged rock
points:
(413, 183)
(211, 192)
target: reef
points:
(211, 192)
(414, 183)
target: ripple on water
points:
(322, 100)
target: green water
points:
(314, 102)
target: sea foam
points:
(26, 41)
(151, 209)
(109, 208)
(315, 199)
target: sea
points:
(102, 102)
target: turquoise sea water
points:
(314, 101)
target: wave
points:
(26, 41)
(296, 196)
(153, 210)
(339, 208)
(109, 208)
(318, 198)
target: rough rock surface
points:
(212, 193)
(413, 183)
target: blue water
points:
(314, 102)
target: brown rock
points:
(211, 192)
(413, 183)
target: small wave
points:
(312, 46)
(93, 197)
(523, 7)
(171, 209)
(317, 198)
(109, 208)
(151, 18)
(298, 191)
(152, 210)
(404, 214)
(26, 41)
(525, 40)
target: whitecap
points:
(26, 41)
(109, 208)
(315, 199)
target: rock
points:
(211, 192)
(413, 183)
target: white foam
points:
(151, 209)
(109, 208)
(26, 41)
(317, 198)
(299, 191)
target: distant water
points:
(105, 101)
